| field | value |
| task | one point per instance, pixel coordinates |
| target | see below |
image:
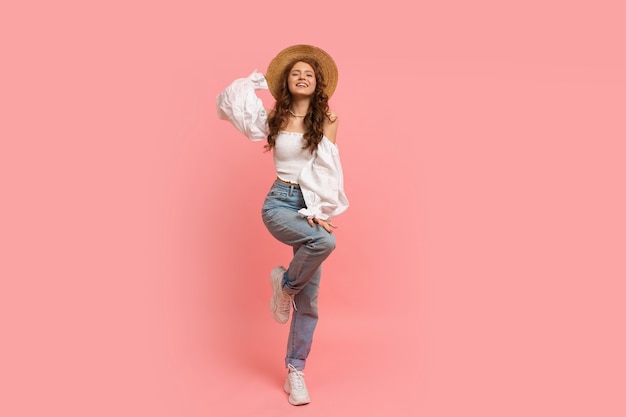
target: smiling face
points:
(301, 79)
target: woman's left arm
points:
(330, 131)
(321, 181)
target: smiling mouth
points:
(301, 85)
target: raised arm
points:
(240, 105)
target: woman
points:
(301, 132)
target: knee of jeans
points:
(326, 243)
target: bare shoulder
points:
(330, 126)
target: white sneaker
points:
(281, 302)
(296, 388)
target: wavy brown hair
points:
(314, 119)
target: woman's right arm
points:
(240, 105)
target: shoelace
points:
(292, 299)
(296, 378)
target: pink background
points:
(479, 271)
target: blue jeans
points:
(311, 246)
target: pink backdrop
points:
(479, 271)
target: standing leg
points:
(303, 323)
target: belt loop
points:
(290, 190)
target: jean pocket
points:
(273, 199)
(278, 195)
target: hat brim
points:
(290, 55)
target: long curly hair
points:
(314, 119)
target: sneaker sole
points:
(293, 402)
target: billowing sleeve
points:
(321, 182)
(240, 105)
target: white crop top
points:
(319, 173)
(289, 157)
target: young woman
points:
(301, 132)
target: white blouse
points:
(321, 178)
(290, 155)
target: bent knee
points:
(326, 243)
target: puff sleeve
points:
(240, 105)
(321, 181)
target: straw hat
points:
(293, 53)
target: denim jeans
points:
(311, 246)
